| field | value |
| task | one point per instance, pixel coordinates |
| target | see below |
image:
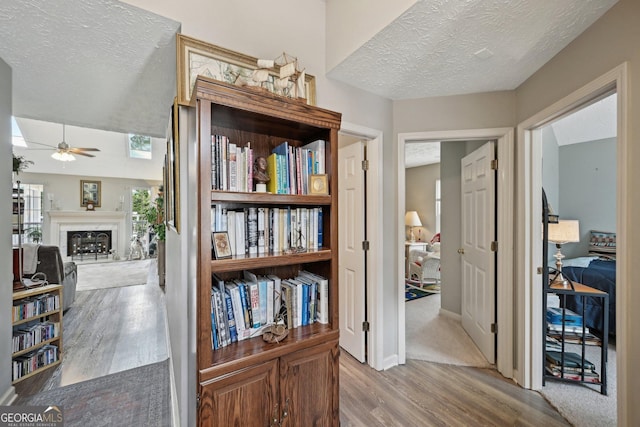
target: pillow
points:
(602, 243)
(435, 238)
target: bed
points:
(597, 271)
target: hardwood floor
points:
(430, 394)
(111, 330)
(106, 331)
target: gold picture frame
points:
(318, 184)
(90, 193)
(196, 57)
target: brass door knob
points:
(461, 251)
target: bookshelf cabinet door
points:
(309, 386)
(245, 398)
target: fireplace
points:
(88, 243)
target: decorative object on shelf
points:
(411, 219)
(260, 174)
(221, 246)
(560, 233)
(90, 206)
(90, 193)
(318, 184)
(196, 57)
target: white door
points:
(478, 259)
(351, 263)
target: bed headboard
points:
(602, 243)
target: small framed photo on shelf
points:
(318, 184)
(221, 246)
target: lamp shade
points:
(412, 219)
(565, 231)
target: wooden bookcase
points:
(251, 382)
(20, 322)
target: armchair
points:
(65, 274)
(424, 268)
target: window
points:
(31, 218)
(139, 146)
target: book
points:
(287, 302)
(246, 304)
(322, 296)
(571, 360)
(277, 293)
(554, 316)
(233, 291)
(252, 230)
(567, 328)
(231, 321)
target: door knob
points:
(461, 251)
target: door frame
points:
(375, 259)
(530, 205)
(505, 227)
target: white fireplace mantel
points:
(63, 221)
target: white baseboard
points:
(390, 362)
(451, 314)
(8, 397)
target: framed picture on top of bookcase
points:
(196, 57)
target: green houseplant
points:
(20, 163)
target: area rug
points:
(135, 397)
(113, 274)
(412, 293)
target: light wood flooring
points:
(431, 394)
(106, 331)
(110, 330)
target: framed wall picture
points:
(318, 184)
(221, 246)
(196, 57)
(90, 193)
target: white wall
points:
(6, 268)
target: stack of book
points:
(573, 327)
(243, 308)
(574, 366)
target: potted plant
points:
(20, 163)
(35, 234)
(153, 215)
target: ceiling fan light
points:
(63, 156)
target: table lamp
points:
(411, 219)
(564, 231)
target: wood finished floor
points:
(106, 331)
(430, 394)
(115, 329)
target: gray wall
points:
(588, 189)
(611, 41)
(550, 168)
(6, 268)
(421, 197)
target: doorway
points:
(504, 312)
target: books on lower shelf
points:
(574, 366)
(28, 336)
(264, 230)
(243, 308)
(30, 362)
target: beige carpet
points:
(434, 337)
(114, 274)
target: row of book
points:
(243, 308)
(30, 307)
(28, 336)
(30, 362)
(261, 230)
(290, 167)
(574, 366)
(231, 165)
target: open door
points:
(478, 255)
(352, 259)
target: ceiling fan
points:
(64, 152)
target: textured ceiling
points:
(450, 47)
(101, 64)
